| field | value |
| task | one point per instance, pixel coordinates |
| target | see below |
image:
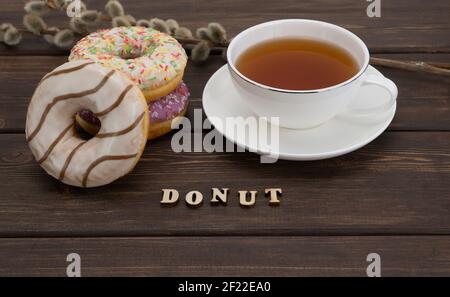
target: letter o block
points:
(194, 199)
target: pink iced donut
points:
(166, 109)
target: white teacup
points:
(308, 108)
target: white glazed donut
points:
(113, 98)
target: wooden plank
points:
(399, 184)
(423, 103)
(405, 26)
(227, 256)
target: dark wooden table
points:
(391, 197)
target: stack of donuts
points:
(121, 86)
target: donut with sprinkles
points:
(153, 60)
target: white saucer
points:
(340, 135)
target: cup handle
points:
(380, 81)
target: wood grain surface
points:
(396, 185)
(228, 256)
(391, 196)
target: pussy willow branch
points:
(432, 68)
(44, 32)
(193, 41)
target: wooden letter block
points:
(219, 196)
(273, 195)
(170, 197)
(243, 198)
(194, 199)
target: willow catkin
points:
(120, 21)
(5, 26)
(183, 32)
(114, 9)
(200, 52)
(64, 38)
(37, 7)
(34, 23)
(143, 23)
(12, 36)
(216, 33)
(172, 25)
(90, 17)
(159, 25)
(131, 19)
(59, 3)
(50, 37)
(202, 33)
(78, 26)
